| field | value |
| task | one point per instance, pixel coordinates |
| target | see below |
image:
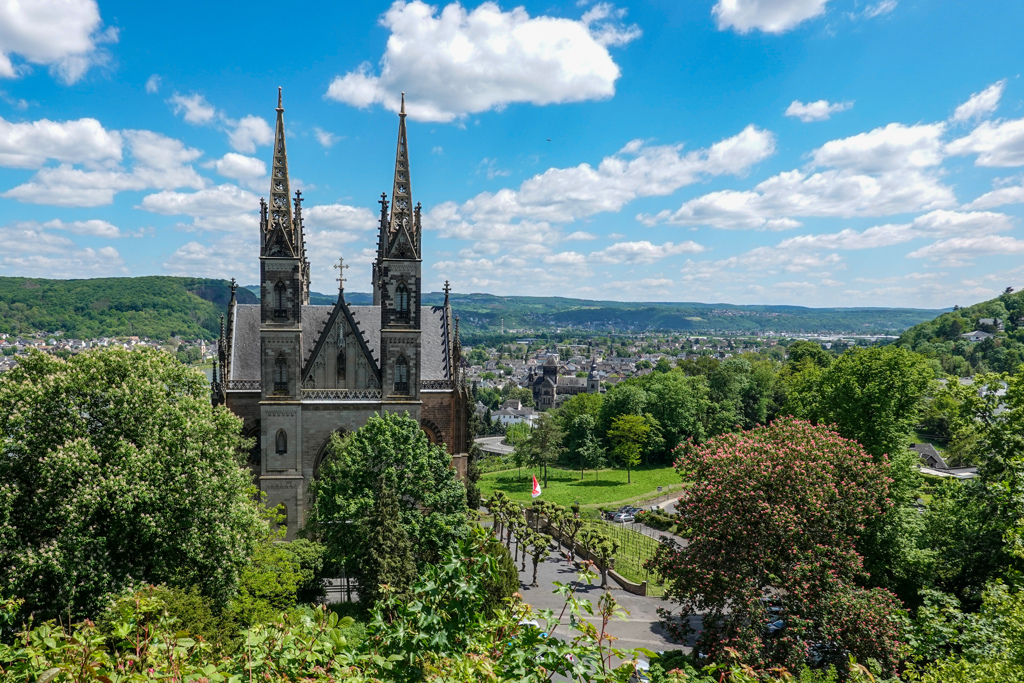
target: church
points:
(298, 373)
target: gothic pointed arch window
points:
(281, 442)
(342, 369)
(401, 375)
(281, 374)
(402, 302)
(280, 296)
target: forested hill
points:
(487, 313)
(157, 307)
(942, 338)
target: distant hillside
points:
(159, 307)
(156, 307)
(942, 338)
(484, 313)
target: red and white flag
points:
(536, 486)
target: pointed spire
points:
(234, 288)
(401, 196)
(280, 218)
(447, 289)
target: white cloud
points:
(339, 217)
(563, 195)
(882, 172)
(457, 62)
(980, 104)
(233, 255)
(772, 203)
(222, 200)
(194, 108)
(602, 20)
(959, 251)
(91, 228)
(580, 235)
(894, 147)
(240, 167)
(248, 132)
(158, 164)
(931, 225)
(82, 141)
(643, 252)
(770, 16)
(879, 9)
(820, 110)
(998, 143)
(325, 138)
(1013, 194)
(63, 34)
(153, 84)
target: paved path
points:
(640, 629)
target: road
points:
(493, 444)
(641, 628)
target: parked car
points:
(623, 518)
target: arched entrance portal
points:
(432, 431)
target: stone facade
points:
(298, 373)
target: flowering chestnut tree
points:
(771, 563)
(115, 470)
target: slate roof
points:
(245, 338)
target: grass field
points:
(565, 487)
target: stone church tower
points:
(299, 373)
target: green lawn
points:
(564, 486)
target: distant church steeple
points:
(404, 230)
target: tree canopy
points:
(432, 502)
(774, 514)
(117, 470)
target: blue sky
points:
(811, 152)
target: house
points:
(929, 455)
(976, 336)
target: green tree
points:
(629, 435)
(873, 396)
(117, 470)
(545, 443)
(803, 353)
(432, 502)
(387, 564)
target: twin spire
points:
(281, 221)
(404, 217)
(281, 226)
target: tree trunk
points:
(604, 575)
(629, 475)
(534, 584)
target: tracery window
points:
(402, 301)
(401, 376)
(281, 374)
(280, 311)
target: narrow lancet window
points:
(401, 376)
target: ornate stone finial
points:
(279, 107)
(234, 288)
(403, 105)
(222, 335)
(340, 265)
(447, 288)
